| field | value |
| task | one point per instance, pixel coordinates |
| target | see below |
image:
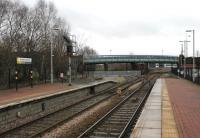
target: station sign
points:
(24, 60)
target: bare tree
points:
(87, 51)
(28, 32)
(82, 48)
(3, 12)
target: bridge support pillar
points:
(94, 67)
(148, 65)
(133, 66)
(143, 67)
(90, 67)
(105, 66)
(126, 66)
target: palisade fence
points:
(188, 75)
(188, 69)
(114, 73)
(40, 67)
(7, 76)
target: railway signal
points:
(31, 78)
(16, 80)
(69, 53)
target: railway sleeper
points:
(113, 129)
(130, 109)
(123, 113)
(121, 117)
(27, 131)
(16, 136)
(100, 137)
(108, 134)
(115, 123)
(118, 119)
(110, 125)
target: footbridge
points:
(101, 59)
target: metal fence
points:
(188, 74)
(114, 73)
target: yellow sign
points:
(24, 60)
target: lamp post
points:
(185, 55)
(52, 55)
(193, 64)
(70, 71)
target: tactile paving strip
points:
(169, 129)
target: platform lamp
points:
(193, 64)
(110, 51)
(54, 28)
(181, 64)
(185, 55)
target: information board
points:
(24, 60)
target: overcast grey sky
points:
(132, 26)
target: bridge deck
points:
(130, 58)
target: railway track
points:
(44, 124)
(119, 120)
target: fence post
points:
(9, 78)
(198, 74)
(31, 78)
(45, 77)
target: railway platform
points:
(11, 96)
(171, 111)
(24, 106)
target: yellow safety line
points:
(169, 129)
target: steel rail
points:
(60, 122)
(91, 128)
(124, 87)
(129, 125)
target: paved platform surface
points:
(10, 96)
(149, 123)
(156, 120)
(172, 110)
(185, 100)
(169, 127)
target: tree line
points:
(30, 32)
